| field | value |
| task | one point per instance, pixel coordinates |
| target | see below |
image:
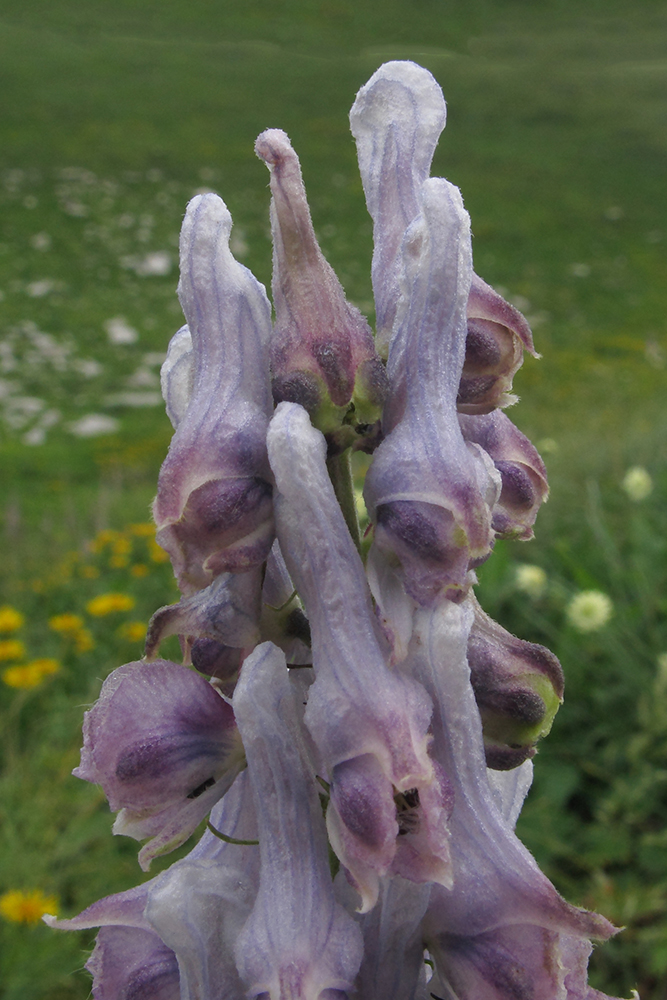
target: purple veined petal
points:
(510, 962)
(396, 120)
(297, 942)
(358, 709)
(496, 883)
(199, 905)
(497, 335)
(124, 909)
(164, 746)
(322, 352)
(213, 506)
(518, 688)
(128, 962)
(228, 610)
(177, 375)
(428, 493)
(510, 789)
(130, 959)
(522, 472)
(393, 963)
(282, 621)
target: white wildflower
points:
(531, 580)
(589, 611)
(637, 483)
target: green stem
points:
(340, 473)
(231, 840)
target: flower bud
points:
(522, 472)
(322, 352)
(496, 337)
(518, 687)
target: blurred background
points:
(114, 115)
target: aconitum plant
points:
(357, 732)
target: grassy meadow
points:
(114, 114)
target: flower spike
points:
(213, 507)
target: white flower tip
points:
(273, 146)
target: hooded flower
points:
(498, 933)
(213, 507)
(172, 938)
(298, 943)
(322, 352)
(396, 121)
(428, 492)
(389, 800)
(164, 746)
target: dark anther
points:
(200, 789)
(406, 815)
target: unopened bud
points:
(518, 687)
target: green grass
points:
(114, 114)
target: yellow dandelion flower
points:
(589, 611)
(83, 641)
(118, 562)
(90, 572)
(157, 554)
(26, 907)
(66, 624)
(132, 631)
(10, 619)
(107, 604)
(11, 649)
(143, 530)
(139, 570)
(29, 675)
(122, 545)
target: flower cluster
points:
(359, 734)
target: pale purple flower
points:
(163, 745)
(427, 491)
(322, 351)
(173, 937)
(396, 120)
(369, 723)
(498, 932)
(522, 472)
(298, 942)
(213, 506)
